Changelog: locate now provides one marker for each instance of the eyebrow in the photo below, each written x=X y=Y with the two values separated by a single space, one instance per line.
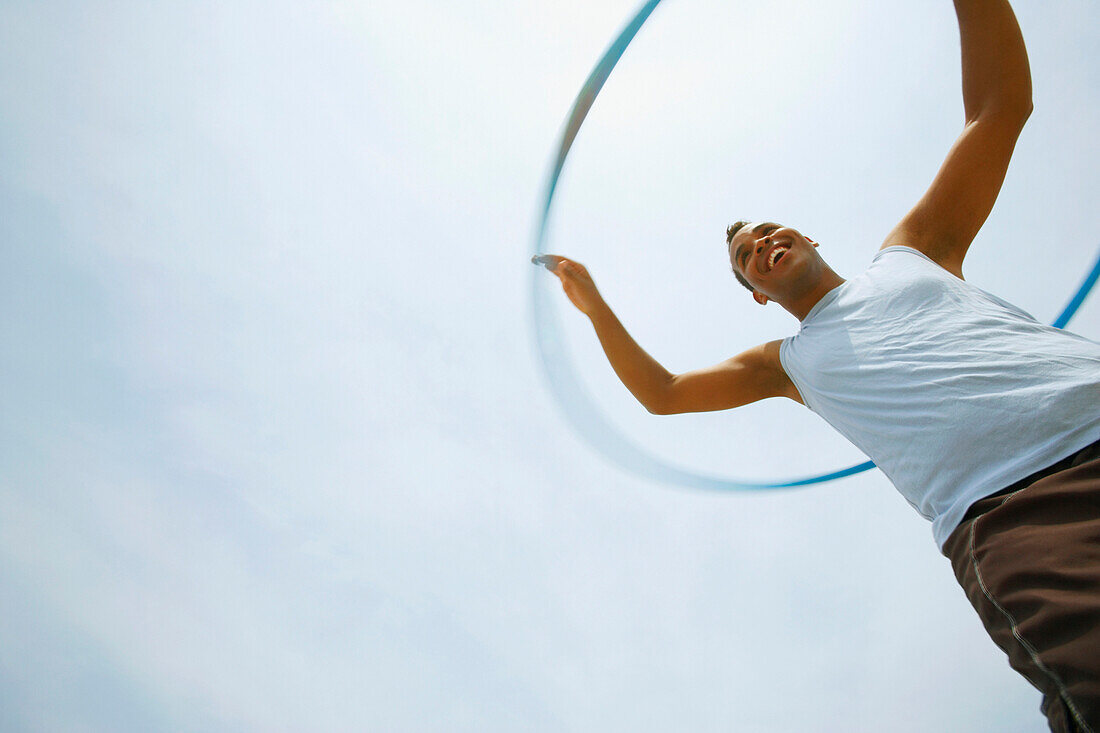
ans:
x=737 y=254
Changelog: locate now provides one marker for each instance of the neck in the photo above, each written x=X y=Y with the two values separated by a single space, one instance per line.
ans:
x=801 y=304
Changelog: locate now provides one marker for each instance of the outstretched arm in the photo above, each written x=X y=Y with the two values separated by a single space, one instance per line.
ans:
x=997 y=101
x=748 y=377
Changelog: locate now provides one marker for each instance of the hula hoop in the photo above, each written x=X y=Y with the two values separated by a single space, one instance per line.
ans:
x=571 y=394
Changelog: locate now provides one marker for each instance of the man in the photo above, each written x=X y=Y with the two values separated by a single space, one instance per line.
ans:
x=986 y=421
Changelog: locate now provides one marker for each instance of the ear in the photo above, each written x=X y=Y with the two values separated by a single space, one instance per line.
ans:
x=759 y=297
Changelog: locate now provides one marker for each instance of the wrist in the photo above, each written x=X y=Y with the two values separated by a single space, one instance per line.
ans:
x=599 y=311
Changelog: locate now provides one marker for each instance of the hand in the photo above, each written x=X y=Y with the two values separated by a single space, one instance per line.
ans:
x=575 y=281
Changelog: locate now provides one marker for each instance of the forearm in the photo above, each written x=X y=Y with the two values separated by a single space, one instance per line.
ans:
x=995 y=71
x=646 y=379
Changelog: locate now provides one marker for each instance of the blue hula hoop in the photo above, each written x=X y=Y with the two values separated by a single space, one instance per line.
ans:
x=571 y=395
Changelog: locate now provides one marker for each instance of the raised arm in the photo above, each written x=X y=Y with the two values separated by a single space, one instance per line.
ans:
x=753 y=375
x=997 y=101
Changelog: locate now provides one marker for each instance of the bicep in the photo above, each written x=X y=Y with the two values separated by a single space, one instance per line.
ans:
x=947 y=218
x=750 y=376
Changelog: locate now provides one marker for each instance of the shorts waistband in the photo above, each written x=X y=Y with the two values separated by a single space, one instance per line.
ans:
x=979 y=507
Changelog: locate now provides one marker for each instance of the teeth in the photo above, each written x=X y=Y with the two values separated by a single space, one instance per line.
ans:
x=775 y=253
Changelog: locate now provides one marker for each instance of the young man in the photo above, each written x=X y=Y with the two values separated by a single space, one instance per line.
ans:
x=985 y=420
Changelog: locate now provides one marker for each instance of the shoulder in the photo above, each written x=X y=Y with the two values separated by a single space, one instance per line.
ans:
x=901 y=248
x=902 y=251
x=765 y=364
x=899 y=257
x=771 y=363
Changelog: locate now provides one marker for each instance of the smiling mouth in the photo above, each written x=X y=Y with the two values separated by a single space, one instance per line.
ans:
x=776 y=255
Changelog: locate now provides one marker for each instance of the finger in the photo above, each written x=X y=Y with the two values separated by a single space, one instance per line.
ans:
x=550 y=262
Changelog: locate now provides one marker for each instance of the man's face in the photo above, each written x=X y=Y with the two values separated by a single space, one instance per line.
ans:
x=773 y=259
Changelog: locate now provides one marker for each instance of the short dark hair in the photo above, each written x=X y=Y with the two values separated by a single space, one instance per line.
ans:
x=730 y=232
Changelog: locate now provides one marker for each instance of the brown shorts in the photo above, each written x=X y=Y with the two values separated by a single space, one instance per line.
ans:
x=1028 y=558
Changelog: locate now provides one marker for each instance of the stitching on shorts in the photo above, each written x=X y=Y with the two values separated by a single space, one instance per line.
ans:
x=1016 y=632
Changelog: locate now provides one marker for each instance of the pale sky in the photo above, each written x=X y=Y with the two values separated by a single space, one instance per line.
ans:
x=277 y=452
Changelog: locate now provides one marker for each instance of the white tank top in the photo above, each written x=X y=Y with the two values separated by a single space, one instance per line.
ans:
x=952 y=392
